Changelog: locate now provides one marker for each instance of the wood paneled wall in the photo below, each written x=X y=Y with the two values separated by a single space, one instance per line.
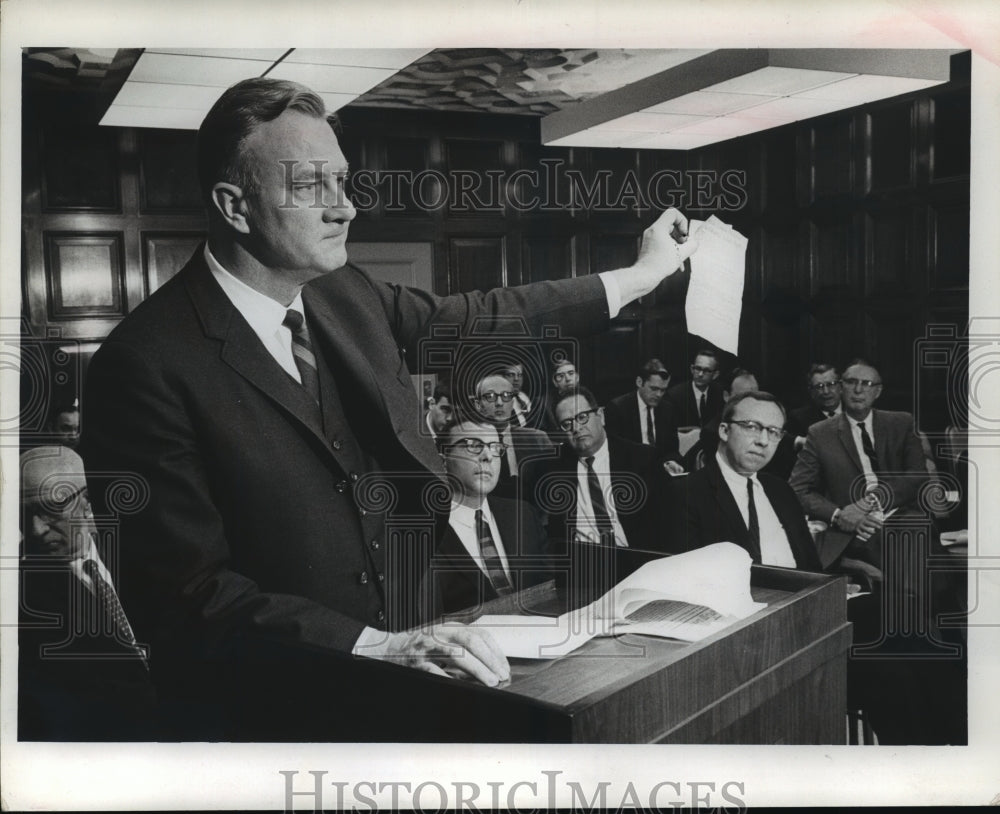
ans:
x=858 y=225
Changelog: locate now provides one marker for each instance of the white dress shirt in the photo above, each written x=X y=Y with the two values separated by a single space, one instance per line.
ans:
x=463 y=522
x=870 y=478
x=585 y=523
x=774 y=546
x=264 y=315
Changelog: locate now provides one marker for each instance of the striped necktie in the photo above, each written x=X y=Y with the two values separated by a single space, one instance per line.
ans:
x=491 y=557
x=114 y=613
x=602 y=520
x=305 y=360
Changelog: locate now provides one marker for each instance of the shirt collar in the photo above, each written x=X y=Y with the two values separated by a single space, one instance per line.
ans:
x=867 y=422
x=733 y=478
x=264 y=314
x=602 y=458
x=466 y=516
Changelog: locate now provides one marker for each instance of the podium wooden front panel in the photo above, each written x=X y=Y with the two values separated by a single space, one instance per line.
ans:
x=777 y=677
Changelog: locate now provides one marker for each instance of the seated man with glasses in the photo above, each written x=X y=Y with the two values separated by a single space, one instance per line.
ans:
x=492 y=546
x=823 y=385
x=858 y=466
x=494 y=399
x=731 y=500
x=698 y=400
x=602 y=490
x=81 y=674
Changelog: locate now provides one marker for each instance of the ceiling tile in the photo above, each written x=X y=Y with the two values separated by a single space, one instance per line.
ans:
x=708 y=103
x=867 y=88
x=648 y=122
x=264 y=54
x=156 y=94
x=394 y=58
x=773 y=81
x=331 y=78
x=136 y=116
x=173 y=69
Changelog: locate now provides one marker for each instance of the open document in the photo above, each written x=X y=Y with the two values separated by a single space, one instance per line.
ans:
x=715 y=294
x=688 y=596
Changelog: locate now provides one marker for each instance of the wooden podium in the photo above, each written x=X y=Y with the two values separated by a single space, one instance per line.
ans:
x=778 y=676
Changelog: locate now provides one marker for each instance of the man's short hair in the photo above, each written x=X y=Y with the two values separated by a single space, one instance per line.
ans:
x=59 y=409
x=237 y=113
x=578 y=390
x=737 y=373
x=654 y=367
x=818 y=369
x=861 y=360
x=756 y=395
x=460 y=416
x=442 y=390
x=706 y=352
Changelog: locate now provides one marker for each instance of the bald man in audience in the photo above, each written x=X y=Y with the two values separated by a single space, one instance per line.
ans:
x=82 y=675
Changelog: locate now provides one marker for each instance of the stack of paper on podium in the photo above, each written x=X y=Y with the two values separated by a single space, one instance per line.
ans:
x=715 y=293
x=688 y=596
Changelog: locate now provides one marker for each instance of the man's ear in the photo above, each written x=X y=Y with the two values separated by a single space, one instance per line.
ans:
x=723 y=431
x=638 y=381
x=229 y=201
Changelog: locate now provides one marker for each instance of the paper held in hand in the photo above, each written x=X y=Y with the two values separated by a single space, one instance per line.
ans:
x=715 y=293
x=688 y=596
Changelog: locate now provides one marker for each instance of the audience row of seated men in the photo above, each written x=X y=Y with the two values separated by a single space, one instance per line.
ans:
x=596 y=487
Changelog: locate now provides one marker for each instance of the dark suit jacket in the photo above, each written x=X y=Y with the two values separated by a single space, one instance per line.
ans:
x=459 y=582
x=76 y=681
x=621 y=417
x=802 y=418
x=531 y=449
x=642 y=490
x=828 y=473
x=709 y=514
x=686 y=408
x=256 y=530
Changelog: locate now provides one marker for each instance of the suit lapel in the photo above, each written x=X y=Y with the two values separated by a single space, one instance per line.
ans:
x=727 y=503
x=846 y=437
x=243 y=351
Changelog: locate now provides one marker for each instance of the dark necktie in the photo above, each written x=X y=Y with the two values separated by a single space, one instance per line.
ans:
x=305 y=360
x=114 y=613
x=702 y=407
x=601 y=517
x=753 y=525
x=831 y=414
x=868 y=446
x=491 y=557
x=650 y=427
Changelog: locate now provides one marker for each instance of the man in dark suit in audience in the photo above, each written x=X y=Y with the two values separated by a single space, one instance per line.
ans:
x=439 y=409
x=823 y=384
x=523 y=446
x=730 y=499
x=81 y=673
x=644 y=416
x=738 y=381
x=602 y=489
x=698 y=400
x=492 y=546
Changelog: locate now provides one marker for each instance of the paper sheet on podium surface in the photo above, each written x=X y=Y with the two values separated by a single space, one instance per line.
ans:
x=688 y=596
x=715 y=292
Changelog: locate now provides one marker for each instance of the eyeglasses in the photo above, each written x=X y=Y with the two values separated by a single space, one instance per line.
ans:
x=774 y=434
x=563 y=375
x=700 y=369
x=489 y=396
x=475 y=446
x=580 y=418
x=824 y=386
x=53 y=509
x=866 y=384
